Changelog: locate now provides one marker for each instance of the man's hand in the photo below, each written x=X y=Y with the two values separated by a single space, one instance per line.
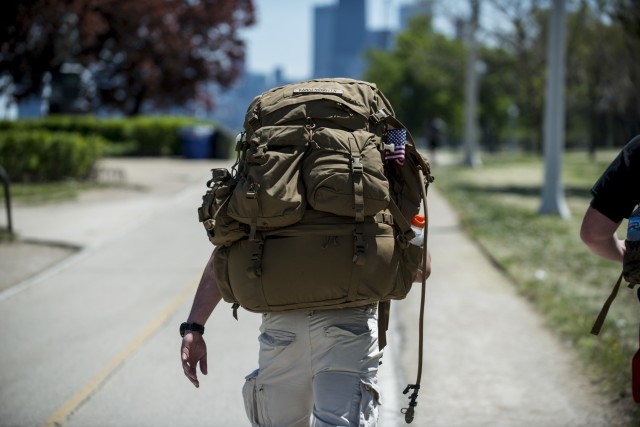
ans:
x=193 y=350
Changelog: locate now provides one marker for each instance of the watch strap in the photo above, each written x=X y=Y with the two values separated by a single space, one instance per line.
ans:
x=191 y=326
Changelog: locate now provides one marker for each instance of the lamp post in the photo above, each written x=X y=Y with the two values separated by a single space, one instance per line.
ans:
x=471 y=157
x=553 y=201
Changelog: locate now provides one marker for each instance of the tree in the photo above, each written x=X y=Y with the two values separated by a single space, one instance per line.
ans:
x=595 y=89
x=524 y=38
x=421 y=76
x=156 y=51
x=627 y=14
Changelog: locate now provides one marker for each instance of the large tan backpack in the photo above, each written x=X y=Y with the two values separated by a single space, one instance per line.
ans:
x=316 y=211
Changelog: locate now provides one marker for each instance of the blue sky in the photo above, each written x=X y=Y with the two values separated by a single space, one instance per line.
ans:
x=282 y=35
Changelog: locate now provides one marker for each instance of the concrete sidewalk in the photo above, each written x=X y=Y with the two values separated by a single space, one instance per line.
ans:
x=49 y=233
x=488 y=359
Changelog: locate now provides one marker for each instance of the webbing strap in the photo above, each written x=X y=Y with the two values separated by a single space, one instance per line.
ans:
x=255 y=266
x=384 y=311
x=255 y=269
x=597 y=325
x=595 y=330
x=410 y=410
x=359 y=249
x=359 y=244
x=357 y=173
x=406 y=233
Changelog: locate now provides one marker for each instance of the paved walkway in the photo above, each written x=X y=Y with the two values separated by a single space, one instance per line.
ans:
x=92 y=341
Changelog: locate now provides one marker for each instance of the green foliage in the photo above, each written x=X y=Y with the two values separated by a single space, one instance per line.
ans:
x=38 y=155
x=158 y=136
x=546 y=259
x=49 y=192
x=138 y=55
x=422 y=76
x=138 y=136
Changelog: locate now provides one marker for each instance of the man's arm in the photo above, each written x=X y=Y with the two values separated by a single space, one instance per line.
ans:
x=194 y=348
x=599 y=234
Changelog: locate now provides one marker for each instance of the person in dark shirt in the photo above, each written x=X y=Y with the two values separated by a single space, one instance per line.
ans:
x=615 y=195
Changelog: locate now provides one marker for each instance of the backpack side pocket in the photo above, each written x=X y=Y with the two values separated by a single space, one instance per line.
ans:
x=221 y=228
x=270 y=192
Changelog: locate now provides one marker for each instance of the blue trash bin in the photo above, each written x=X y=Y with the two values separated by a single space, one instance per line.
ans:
x=196 y=141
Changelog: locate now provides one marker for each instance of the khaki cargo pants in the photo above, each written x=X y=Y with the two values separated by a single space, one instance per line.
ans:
x=316 y=368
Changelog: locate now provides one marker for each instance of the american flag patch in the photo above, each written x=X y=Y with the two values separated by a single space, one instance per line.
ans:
x=397 y=137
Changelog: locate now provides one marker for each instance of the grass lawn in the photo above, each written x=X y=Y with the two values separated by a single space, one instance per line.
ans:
x=498 y=205
x=39 y=193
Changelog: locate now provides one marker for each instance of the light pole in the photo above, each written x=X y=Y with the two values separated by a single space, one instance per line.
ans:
x=471 y=156
x=513 y=112
x=553 y=201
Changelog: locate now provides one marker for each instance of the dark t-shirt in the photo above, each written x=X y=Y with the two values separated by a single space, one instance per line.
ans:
x=617 y=191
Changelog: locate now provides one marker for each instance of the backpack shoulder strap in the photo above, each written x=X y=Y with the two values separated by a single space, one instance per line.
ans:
x=597 y=325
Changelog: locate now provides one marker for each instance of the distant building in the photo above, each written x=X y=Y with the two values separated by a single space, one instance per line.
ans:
x=323 y=40
x=231 y=104
x=380 y=39
x=340 y=39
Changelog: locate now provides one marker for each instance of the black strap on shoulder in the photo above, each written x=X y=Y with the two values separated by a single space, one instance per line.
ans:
x=595 y=330
x=597 y=325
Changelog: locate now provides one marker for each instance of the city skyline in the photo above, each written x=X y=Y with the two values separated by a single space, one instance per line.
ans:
x=291 y=25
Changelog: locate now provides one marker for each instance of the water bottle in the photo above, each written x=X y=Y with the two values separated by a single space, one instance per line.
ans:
x=417 y=225
x=633 y=228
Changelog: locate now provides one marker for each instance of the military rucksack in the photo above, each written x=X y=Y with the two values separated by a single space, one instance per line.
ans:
x=316 y=211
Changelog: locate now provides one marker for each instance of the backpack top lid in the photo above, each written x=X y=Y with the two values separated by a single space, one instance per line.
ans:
x=296 y=103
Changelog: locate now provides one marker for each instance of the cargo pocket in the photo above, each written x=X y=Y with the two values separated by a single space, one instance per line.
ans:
x=366 y=405
x=338 y=163
x=252 y=400
x=270 y=190
x=272 y=343
x=347 y=331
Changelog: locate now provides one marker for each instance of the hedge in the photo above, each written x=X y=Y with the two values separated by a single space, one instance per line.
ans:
x=135 y=136
x=39 y=155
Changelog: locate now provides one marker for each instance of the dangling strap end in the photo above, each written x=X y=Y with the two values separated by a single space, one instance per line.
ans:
x=595 y=330
x=410 y=411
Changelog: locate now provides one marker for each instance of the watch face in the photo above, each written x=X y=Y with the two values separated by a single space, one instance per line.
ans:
x=183 y=327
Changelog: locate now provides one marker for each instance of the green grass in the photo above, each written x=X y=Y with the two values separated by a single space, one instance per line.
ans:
x=498 y=205
x=40 y=193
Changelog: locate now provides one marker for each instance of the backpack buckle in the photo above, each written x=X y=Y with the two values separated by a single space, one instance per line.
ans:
x=218 y=176
x=380 y=115
x=359 y=248
x=356 y=165
x=252 y=192
x=404 y=239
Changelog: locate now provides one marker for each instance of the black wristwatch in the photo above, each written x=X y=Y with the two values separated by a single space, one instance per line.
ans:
x=195 y=327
